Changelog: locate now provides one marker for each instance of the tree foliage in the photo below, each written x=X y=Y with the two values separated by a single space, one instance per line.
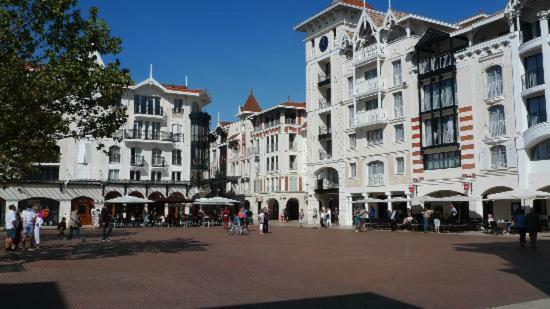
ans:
x=52 y=83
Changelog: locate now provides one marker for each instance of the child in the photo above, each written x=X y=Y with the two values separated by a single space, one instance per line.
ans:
x=61 y=227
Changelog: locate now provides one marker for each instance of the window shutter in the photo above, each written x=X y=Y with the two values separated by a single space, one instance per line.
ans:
x=511 y=155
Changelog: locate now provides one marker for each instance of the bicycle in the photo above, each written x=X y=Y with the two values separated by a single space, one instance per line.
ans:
x=238 y=229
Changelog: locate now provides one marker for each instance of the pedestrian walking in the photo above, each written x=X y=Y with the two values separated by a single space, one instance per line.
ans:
x=37 y=226
x=266 y=220
x=29 y=216
x=61 y=227
x=225 y=217
x=533 y=226
x=322 y=217
x=261 y=218
x=11 y=224
x=437 y=223
x=105 y=223
x=454 y=214
x=426 y=216
x=18 y=230
x=393 y=220
x=315 y=215
x=372 y=215
x=74 y=226
x=519 y=223
x=329 y=217
x=364 y=215
x=336 y=216
x=301 y=216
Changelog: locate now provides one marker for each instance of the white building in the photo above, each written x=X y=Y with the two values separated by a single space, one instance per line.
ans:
x=163 y=145
x=263 y=155
x=406 y=108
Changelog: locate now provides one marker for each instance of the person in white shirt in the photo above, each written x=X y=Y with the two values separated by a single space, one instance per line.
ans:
x=37 y=225
x=261 y=218
x=11 y=227
x=29 y=218
x=329 y=218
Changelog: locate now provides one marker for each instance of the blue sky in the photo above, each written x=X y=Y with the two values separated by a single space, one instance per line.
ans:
x=231 y=46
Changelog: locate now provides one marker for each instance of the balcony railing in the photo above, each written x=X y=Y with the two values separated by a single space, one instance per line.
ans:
x=363 y=55
x=324 y=103
x=154 y=111
x=369 y=86
x=437 y=63
x=290 y=120
x=376 y=180
x=323 y=155
x=498 y=165
x=136 y=160
x=158 y=161
x=533 y=78
x=131 y=134
x=177 y=137
x=494 y=89
x=365 y=118
x=497 y=128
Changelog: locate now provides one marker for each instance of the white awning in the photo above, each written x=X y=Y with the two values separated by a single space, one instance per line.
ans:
x=215 y=201
x=127 y=199
x=519 y=194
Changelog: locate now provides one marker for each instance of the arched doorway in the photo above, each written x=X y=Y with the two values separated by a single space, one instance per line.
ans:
x=156 y=209
x=293 y=209
x=273 y=206
x=43 y=203
x=84 y=207
x=112 y=207
x=500 y=210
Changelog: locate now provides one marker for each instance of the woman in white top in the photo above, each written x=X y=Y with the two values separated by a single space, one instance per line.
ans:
x=261 y=218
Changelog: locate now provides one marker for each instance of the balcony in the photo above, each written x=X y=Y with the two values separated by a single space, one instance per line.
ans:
x=376 y=180
x=323 y=79
x=325 y=132
x=498 y=165
x=371 y=118
x=437 y=63
x=151 y=136
x=532 y=79
x=367 y=55
x=536 y=134
x=531 y=45
x=369 y=87
x=158 y=161
x=156 y=112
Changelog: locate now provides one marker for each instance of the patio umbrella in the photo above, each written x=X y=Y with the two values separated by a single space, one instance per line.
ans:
x=216 y=201
x=369 y=200
x=127 y=199
x=519 y=194
x=454 y=198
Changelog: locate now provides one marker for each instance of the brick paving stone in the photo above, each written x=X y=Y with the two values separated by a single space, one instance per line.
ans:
x=291 y=267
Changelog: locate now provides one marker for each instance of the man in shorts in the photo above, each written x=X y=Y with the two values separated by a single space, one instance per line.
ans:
x=11 y=226
x=29 y=216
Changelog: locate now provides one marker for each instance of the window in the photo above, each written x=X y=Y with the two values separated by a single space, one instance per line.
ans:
x=494 y=82
x=136 y=158
x=157 y=158
x=353 y=170
x=176 y=176
x=397 y=77
x=375 y=137
x=177 y=133
x=438 y=95
x=371 y=105
x=376 y=173
x=292 y=141
x=399 y=133
x=351 y=116
x=442 y=160
x=147 y=105
x=293 y=165
x=84 y=152
x=293 y=183
x=439 y=131
x=541 y=151
x=398 y=105
x=176 y=157
x=352 y=141
x=536 y=110
x=178 y=106
x=156 y=176
x=113 y=174
x=350 y=88
x=399 y=165
x=371 y=74
x=497 y=126
x=114 y=154
x=498 y=157
x=534 y=72
x=135 y=175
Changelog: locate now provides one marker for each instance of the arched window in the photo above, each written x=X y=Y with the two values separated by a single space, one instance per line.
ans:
x=114 y=154
x=497 y=125
x=541 y=151
x=376 y=173
x=494 y=82
x=498 y=157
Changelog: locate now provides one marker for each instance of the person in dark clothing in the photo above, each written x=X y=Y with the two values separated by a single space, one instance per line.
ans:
x=266 y=220
x=105 y=222
x=519 y=224
x=532 y=225
x=61 y=227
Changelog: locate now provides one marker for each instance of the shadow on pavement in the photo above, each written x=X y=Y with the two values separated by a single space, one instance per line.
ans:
x=362 y=300
x=530 y=264
x=25 y=295
x=77 y=250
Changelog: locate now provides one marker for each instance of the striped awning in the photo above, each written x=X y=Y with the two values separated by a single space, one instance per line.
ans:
x=52 y=191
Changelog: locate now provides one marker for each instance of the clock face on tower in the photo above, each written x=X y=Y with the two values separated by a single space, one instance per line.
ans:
x=323 y=44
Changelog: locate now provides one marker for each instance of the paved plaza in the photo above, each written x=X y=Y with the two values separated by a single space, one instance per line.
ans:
x=289 y=268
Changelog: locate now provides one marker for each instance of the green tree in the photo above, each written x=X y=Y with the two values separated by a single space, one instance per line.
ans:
x=52 y=83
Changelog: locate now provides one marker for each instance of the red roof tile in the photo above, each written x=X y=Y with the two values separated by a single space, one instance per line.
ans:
x=295 y=104
x=251 y=104
x=180 y=88
x=358 y=3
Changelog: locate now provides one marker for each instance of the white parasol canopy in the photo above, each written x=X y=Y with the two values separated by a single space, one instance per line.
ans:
x=215 y=201
x=127 y=199
x=519 y=194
